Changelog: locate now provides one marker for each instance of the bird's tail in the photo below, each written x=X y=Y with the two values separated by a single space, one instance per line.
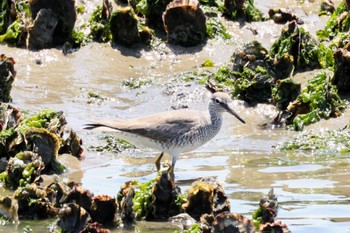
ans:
x=91 y=126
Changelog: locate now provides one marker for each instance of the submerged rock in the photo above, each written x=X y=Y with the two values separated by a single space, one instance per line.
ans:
x=184 y=23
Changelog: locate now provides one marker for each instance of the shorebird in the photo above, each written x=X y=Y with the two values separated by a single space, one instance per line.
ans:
x=172 y=132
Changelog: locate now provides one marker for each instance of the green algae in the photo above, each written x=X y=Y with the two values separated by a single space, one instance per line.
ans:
x=321 y=100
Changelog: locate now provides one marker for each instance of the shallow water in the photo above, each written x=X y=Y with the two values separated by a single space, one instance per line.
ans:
x=313 y=190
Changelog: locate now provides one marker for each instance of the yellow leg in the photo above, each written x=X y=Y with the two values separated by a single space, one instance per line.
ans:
x=158 y=161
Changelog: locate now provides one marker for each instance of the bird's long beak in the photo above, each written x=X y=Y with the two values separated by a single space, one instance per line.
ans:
x=230 y=110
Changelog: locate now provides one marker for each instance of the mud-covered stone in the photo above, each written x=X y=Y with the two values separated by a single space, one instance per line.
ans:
x=185 y=23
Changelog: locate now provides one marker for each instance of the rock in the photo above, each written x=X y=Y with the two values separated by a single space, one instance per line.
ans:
x=274 y=227
x=7 y=76
x=22 y=169
x=79 y=196
x=327 y=6
x=184 y=23
x=124 y=27
x=9 y=208
x=283 y=15
x=40 y=34
x=33 y=203
x=65 y=13
x=342 y=69
x=72 y=218
x=206 y=196
x=94 y=228
x=104 y=209
x=184 y=221
x=125 y=201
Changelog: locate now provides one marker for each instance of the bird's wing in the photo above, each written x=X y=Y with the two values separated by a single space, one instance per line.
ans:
x=162 y=127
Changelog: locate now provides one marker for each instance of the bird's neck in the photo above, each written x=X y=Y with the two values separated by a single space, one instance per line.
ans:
x=216 y=118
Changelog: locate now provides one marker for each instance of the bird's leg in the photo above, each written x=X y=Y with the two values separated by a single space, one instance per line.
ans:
x=171 y=168
x=158 y=161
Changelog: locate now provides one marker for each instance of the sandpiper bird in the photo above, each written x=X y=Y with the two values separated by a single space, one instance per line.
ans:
x=175 y=131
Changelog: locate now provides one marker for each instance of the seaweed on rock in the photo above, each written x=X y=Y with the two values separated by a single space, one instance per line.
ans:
x=318 y=100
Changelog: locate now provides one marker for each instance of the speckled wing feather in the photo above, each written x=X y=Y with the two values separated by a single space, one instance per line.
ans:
x=161 y=127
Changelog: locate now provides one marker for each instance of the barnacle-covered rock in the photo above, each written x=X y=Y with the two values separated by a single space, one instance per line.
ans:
x=125 y=30
x=318 y=100
x=306 y=51
x=284 y=92
x=338 y=22
x=125 y=201
x=341 y=77
x=94 y=228
x=22 y=169
x=33 y=203
x=55 y=193
x=63 y=10
x=157 y=199
x=327 y=7
x=72 y=218
x=9 y=116
x=274 y=227
x=71 y=144
x=42 y=30
x=267 y=210
x=79 y=196
x=104 y=209
x=184 y=221
x=226 y=222
x=206 y=196
x=7 y=76
x=229 y=222
x=46 y=145
x=242 y=9
x=283 y=15
x=184 y=23
x=9 y=208
x=151 y=10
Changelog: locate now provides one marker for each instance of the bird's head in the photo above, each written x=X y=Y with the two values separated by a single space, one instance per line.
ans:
x=221 y=102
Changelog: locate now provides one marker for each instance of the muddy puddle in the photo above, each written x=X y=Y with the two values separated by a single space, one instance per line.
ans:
x=313 y=189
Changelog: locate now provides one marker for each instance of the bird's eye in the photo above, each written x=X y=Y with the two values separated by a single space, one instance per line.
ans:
x=217 y=101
